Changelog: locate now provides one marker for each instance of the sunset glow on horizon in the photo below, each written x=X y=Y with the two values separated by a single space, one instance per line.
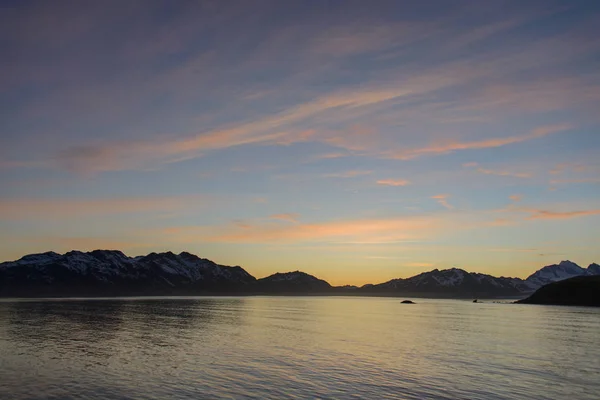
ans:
x=356 y=141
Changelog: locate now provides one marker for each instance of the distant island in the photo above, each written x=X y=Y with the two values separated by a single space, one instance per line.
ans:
x=111 y=273
x=577 y=291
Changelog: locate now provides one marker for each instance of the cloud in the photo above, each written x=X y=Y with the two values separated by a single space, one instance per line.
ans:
x=23 y=208
x=516 y=197
x=331 y=155
x=269 y=129
x=419 y=264
x=495 y=172
x=393 y=182
x=287 y=217
x=443 y=200
x=371 y=231
x=562 y=167
x=545 y=214
x=574 y=180
x=348 y=174
x=380 y=257
x=444 y=148
x=501 y=222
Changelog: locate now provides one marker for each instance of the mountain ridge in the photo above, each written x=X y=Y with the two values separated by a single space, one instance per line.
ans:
x=106 y=272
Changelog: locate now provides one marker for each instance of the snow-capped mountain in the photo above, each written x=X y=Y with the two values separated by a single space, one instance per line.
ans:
x=593 y=269
x=453 y=281
x=460 y=282
x=559 y=272
x=112 y=271
x=292 y=282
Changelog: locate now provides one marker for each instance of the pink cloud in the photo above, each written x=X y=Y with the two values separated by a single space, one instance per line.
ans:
x=478 y=144
x=443 y=200
x=574 y=180
x=348 y=174
x=393 y=182
x=545 y=214
x=497 y=172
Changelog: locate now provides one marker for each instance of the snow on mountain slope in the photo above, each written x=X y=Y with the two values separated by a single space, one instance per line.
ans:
x=593 y=269
x=555 y=272
x=453 y=280
x=113 y=268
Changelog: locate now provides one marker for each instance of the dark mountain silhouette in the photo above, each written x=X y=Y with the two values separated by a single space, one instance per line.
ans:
x=452 y=282
x=577 y=291
x=292 y=282
x=110 y=272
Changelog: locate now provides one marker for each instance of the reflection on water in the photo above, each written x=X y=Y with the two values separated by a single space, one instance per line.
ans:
x=295 y=347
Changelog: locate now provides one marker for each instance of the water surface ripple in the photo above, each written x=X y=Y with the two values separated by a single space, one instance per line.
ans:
x=296 y=348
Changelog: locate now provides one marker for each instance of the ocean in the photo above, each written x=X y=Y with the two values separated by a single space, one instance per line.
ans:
x=296 y=348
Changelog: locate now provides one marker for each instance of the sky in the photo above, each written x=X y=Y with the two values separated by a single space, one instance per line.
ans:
x=358 y=141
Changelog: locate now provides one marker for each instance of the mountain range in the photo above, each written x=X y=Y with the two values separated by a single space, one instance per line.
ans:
x=110 y=272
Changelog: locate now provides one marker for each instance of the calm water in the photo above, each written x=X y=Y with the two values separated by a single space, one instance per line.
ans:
x=300 y=348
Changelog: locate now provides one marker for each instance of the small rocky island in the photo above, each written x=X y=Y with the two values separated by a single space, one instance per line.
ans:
x=578 y=291
x=408 y=302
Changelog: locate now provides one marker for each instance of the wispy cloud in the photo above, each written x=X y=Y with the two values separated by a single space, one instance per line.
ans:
x=286 y=217
x=516 y=197
x=419 y=264
x=486 y=171
x=574 y=180
x=348 y=174
x=345 y=231
x=546 y=214
x=502 y=222
x=562 y=167
x=270 y=129
x=393 y=182
x=24 y=208
x=443 y=200
x=444 y=148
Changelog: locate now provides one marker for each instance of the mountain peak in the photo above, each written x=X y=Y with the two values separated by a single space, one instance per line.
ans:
x=568 y=263
x=555 y=272
x=593 y=269
x=111 y=271
x=293 y=281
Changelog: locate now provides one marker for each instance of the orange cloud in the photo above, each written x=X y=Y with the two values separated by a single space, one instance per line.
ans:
x=348 y=231
x=419 y=264
x=480 y=144
x=348 y=174
x=270 y=129
x=545 y=214
x=443 y=200
x=287 y=217
x=393 y=182
x=516 y=197
x=501 y=222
